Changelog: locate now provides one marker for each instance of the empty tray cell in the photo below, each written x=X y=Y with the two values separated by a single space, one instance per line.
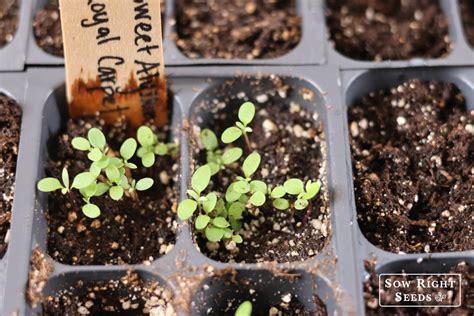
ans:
x=376 y=30
x=412 y=156
x=294 y=293
x=461 y=296
x=288 y=132
x=47 y=28
x=107 y=293
x=467 y=15
x=240 y=29
x=9 y=19
x=139 y=227
x=10 y=120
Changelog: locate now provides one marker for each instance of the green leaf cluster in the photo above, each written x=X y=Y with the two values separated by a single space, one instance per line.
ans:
x=219 y=215
x=109 y=172
x=150 y=146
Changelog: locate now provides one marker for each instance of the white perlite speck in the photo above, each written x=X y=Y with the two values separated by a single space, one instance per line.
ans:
x=401 y=120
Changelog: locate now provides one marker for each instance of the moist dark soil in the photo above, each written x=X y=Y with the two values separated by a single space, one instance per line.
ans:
x=47 y=29
x=376 y=30
x=467 y=14
x=129 y=295
x=10 y=120
x=237 y=29
x=224 y=294
x=413 y=158
x=291 y=142
x=127 y=232
x=8 y=21
x=371 y=295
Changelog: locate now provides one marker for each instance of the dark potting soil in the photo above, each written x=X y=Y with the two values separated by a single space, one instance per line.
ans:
x=126 y=232
x=291 y=142
x=376 y=30
x=413 y=158
x=47 y=29
x=237 y=29
x=129 y=295
x=371 y=295
x=10 y=120
x=8 y=21
x=467 y=14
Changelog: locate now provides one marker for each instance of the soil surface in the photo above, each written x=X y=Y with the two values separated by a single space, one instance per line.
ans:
x=292 y=143
x=413 y=164
x=47 y=29
x=129 y=295
x=376 y=30
x=126 y=232
x=237 y=29
x=10 y=120
x=8 y=20
x=224 y=294
x=467 y=13
x=371 y=295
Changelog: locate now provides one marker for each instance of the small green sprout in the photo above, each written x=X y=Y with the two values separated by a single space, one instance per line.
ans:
x=241 y=128
x=244 y=309
x=109 y=171
x=295 y=187
x=217 y=159
x=218 y=216
x=150 y=146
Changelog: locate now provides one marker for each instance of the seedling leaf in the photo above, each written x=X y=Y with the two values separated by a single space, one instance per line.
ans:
x=201 y=178
x=301 y=204
x=278 y=192
x=144 y=184
x=128 y=148
x=244 y=309
x=293 y=186
x=231 y=135
x=220 y=222
x=258 y=186
x=202 y=221
x=258 y=199
x=83 y=180
x=148 y=159
x=232 y=155
x=247 y=112
x=214 y=234
x=241 y=187
x=281 y=204
x=186 y=209
x=95 y=154
x=145 y=136
x=49 y=185
x=236 y=209
x=312 y=189
x=65 y=178
x=209 y=139
x=80 y=143
x=96 y=138
x=251 y=164
x=210 y=203
x=91 y=210
x=116 y=193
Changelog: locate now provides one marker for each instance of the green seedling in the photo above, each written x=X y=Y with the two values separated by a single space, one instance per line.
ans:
x=218 y=216
x=109 y=172
x=295 y=187
x=150 y=146
x=212 y=214
x=241 y=128
x=244 y=309
x=216 y=158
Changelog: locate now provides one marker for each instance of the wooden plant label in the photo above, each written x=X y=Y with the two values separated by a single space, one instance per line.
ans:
x=114 y=60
